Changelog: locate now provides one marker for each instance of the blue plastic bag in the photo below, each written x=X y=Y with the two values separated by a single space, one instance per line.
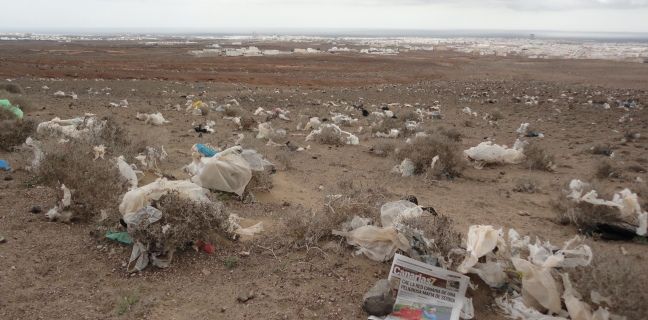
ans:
x=4 y=165
x=205 y=150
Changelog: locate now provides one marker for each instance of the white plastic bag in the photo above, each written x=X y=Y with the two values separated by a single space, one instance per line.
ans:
x=223 y=172
x=378 y=244
x=481 y=240
x=395 y=212
x=538 y=286
x=138 y=198
x=488 y=152
x=127 y=172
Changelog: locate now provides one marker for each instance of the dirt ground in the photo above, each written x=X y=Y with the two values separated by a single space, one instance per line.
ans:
x=65 y=271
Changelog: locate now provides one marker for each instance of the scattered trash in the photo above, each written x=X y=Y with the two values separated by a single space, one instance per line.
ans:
x=122 y=237
x=379 y=300
x=345 y=137
x=393 y=213
x=227 y=171
x=155 y=119
x=488 y=153
x=99 y=152
x=15 y=110
x=75 y=128
x=204 y=150
x=60 y=212
x=378 y=244
x=4 y=165
x=406 y=168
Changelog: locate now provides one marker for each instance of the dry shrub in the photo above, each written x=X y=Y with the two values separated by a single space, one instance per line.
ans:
x=621 y=277
x=606 y=169
x=387 y=124
x=582 y=214
x=118 y=141
x=423 y=149
x=284 y=159
x=329 y=136
x=602 y=150
x=11 y=87
x=468 y=124
x=439 y=229
x=495 y=115
x=452 y=134
x=248 y=122
x=96 y=185
x=232 y=111
x=538 y=158
x=631 y=136
x=526 y=185
x=383 y=148
x=308 y=228
x=261 y=181
x=409 y=115
x=187 y=221
x=14 y=132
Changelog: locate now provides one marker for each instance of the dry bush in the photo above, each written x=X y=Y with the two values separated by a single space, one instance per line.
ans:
x=187 y=221
x=582 y=214
x=261 y=181
x=329 y=136
x=284 y=159
x=308 y=228
x=14 y=132
x=11 y=87
x=468 y=124
x=496 y=115
x=602 y=150
x=96 y=185
x=538 y=158
x=452 y=134
x=409 y=115
x=118 y=141
x=387 y=124
x=383 y=148
x=439 y=229
x=423 y=149
x=621 y=277
x=232 y=111
x=526 y=185
x=606 y=169
x=631 y=136
x=248 y=122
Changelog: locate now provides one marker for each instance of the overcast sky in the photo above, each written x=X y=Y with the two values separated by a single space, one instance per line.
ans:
x=268 y=15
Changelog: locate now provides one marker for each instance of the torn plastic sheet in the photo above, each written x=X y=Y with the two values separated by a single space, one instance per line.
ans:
x=127 y=172
x=481 y=240
x=256 y=161
x=39 y=155
x=142 y=218
x=60 y=212
x=569 y=256
x=76 y=128
x=487 y=152
x=393 y=213
x=376 y=243
x=155 y=119
x=491 y=272
x=227 y=171
x=347 y=137
x=138 y=198
x=516 y=309
x=538 y=285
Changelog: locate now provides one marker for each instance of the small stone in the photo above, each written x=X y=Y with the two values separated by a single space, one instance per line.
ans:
x=223 y=309
x=206 y=272
x=2 y=239
x=244 y=297
x=379 y=300
x=36 y=209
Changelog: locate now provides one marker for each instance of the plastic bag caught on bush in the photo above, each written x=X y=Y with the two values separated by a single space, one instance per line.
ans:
x=491 y=272
x=488 y=152
x=227 y=171
x=256 y=161
x=127 y=172
x=516 y=309
x=538 y=286
x=136 y=199
x=395 y=212
x=481 y=240
x=378 y=244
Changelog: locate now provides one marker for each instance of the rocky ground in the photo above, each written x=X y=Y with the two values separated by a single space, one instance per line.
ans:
x=56 y=270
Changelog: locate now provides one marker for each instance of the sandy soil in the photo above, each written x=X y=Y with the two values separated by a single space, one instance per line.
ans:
x=54 y=270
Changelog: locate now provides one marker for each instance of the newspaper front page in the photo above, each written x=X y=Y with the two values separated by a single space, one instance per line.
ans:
x=425 y=292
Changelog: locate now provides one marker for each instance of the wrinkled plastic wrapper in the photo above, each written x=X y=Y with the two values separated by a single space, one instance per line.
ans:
x=39 y=155
x=376 y=243
x=392 y=213
x=481 y=241
x=142 y=218
x=406 y=168
x=569 y=256
x=227 y=171
x=488 y=153
x=127 y=172
x=516 y=309
x=61 y=212
x=256 y=161
x=155 y=119
x=538 y=286
x=491 y=272
x=75 y=128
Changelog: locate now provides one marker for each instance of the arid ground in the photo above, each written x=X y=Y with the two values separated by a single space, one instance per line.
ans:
x=51 y=270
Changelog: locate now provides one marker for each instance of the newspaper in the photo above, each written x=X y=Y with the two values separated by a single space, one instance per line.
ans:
x=425 y=292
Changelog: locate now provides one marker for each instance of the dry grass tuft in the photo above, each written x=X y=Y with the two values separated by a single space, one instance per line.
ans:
x=387 y=124
x=96 y=185
x=606 y=169
x=14 y=132
x=261 y=181
x=439 y=229
x=620 y=277
x=537 y=158
x=188 y=221
x=409 y=115
x=452 y=134
x=330 y=137
x=582 y=214
x=248 y=122
x=11 y=87
x=232 y=111
x=602 y=149
x=526 y=185
x=383 y=148
x=423 y=149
